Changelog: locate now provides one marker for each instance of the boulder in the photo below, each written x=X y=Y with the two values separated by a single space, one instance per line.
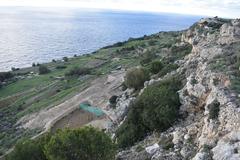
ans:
x=152 y=149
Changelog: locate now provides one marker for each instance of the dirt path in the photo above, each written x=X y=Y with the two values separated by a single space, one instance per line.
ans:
x=97 y=94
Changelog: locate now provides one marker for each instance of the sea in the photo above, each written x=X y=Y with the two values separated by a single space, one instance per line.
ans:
x=31 y=34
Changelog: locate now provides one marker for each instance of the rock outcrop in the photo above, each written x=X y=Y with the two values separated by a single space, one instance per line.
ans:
x=210 y=128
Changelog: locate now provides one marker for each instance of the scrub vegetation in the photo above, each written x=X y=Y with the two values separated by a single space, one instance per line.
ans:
x=86 y=143
x=29 y=90
x=155 y=109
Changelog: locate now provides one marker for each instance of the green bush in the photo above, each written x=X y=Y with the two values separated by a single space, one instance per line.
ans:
x=15 y=69
x=126 y=49
x=152 y=42
x=214 y=109
x=166 y=142
x=155 y=109
x=65 y=59
x=80 y=144
x=184 y=49
x=136 y=77
x=43 y=69
x=28 y=150
x=61 y=67
x=113 y=99
x=167 y=69
x=156 y=67
x=5 y=76
x=147 y=58
x=124 y=86
x=77 y=71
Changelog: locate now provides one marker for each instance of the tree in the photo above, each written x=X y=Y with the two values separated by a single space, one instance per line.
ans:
x=80 y=144
x=136 y=77
x=43 y=69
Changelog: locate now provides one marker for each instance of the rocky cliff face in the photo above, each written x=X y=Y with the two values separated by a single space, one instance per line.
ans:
x=210 y=123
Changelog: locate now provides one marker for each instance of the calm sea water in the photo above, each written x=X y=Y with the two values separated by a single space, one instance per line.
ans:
x=30 y=35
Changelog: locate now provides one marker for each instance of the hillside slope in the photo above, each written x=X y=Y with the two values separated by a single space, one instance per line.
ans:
x=209 y=125
x=201 y=64
x=31 y=102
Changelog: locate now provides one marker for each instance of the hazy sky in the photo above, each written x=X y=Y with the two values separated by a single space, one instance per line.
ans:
x=224 y=8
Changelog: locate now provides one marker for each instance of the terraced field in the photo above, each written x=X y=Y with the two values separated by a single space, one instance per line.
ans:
x=29 y=93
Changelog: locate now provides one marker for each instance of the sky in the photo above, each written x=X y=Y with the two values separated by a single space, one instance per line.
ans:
x=222 y=8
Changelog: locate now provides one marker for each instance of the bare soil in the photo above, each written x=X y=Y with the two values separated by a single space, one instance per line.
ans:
x=76 y=119
x=97 y=94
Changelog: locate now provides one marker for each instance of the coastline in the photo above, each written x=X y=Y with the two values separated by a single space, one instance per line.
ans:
x=32 y=92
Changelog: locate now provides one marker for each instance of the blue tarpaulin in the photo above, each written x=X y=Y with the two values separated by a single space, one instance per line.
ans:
x=95 y=110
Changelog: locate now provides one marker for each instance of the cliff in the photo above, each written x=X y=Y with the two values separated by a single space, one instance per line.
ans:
x=209 y=127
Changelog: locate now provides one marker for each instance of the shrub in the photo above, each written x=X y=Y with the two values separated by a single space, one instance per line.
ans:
x=124 y=86
x=77 y=71
x=156 y=67
x=15 y=69
x=214 y=25
x=214 y=109
x=28 y=150
x=61 y=67
x=147 y=58
x=113 y=99
x=118 y=44
x=206 y=148
x=152 y=42
x=126 y=49
x=166 y=142
x=167 y=69
x=136 y=77
x=84 y=143
x=179 y=52
x=65 y=59
x=155 y=109
x=139 y=148
x=194 y=81
x=43 y=69
x=5 y=76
